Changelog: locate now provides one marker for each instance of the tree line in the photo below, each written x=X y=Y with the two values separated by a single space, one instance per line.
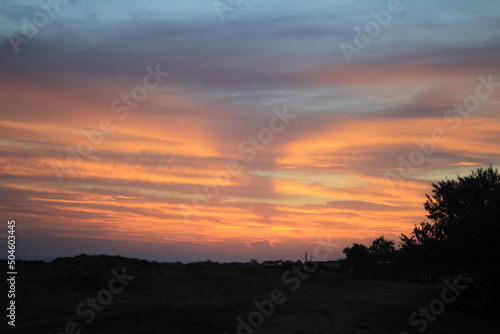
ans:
x=461 y=234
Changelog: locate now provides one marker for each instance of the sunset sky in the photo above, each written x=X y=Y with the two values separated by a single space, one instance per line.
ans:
x=190 y=130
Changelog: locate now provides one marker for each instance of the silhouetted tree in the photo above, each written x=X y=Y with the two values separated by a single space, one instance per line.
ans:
x=359 y=258
x=464 y=225
x=382 y=249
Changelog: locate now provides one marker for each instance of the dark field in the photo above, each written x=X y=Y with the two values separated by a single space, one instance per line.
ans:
x=209 y=298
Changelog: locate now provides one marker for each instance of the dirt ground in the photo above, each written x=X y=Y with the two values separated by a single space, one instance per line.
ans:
x=224 y=298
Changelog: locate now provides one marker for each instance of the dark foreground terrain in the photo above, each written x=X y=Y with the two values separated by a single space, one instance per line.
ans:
x=103 y=294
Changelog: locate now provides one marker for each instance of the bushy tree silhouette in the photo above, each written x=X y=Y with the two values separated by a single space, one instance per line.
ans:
x=464 y=226
x=382 y=249
x=365 y=261
x=359 y=259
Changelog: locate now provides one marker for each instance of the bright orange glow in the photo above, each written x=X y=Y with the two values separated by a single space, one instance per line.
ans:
x=201 y=168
